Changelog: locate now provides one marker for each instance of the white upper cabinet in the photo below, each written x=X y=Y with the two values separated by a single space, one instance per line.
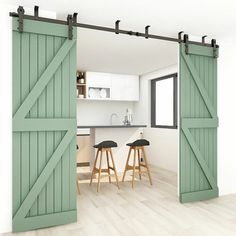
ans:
x=109 y=86
x=125 y=87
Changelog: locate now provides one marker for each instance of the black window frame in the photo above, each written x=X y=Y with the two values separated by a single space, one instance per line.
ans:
x=175 y=102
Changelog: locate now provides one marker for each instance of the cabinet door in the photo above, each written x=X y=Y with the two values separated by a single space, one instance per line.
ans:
x=98 y=80
x=83 y=153
x=117 y=87
x=131 y=90
x=125 y=87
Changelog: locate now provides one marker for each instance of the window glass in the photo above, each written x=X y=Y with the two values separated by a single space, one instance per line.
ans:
x=164 y=102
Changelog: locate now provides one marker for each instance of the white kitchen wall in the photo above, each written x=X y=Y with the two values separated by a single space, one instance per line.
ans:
x=165 y=151
x=99 y=112
x=227 y=117
x=6 y=113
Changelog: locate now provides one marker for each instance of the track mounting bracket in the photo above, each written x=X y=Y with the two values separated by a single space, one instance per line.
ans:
x=70 y=27
x=20 y=12
x=186 y=41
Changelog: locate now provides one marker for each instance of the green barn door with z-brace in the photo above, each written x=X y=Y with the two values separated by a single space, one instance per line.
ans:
x=44 y=125
x=198 y=122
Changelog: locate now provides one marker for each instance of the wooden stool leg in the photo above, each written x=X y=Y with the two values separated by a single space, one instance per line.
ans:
x=147 y=166
x=113 y=163
x=99 y=173
x=139 y=161
x=108 y=167
x=94 y=167
x=126 y=165
x=134 y=167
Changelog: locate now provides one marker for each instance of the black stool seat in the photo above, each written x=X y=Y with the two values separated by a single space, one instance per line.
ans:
x=106 y=144
x=139 y=142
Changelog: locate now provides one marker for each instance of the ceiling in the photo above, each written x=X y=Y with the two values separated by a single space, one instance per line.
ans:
x=102 y=51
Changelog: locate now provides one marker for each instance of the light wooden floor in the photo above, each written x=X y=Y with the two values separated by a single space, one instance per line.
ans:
x=146 y=211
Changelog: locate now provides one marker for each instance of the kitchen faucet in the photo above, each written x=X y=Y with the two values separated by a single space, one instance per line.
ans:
x=113 y=114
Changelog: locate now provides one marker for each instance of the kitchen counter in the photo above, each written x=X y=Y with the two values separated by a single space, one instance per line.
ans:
x=121 y=134
x=109 y=126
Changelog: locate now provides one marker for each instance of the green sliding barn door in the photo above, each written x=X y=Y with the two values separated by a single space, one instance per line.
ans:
x=44 y=125
x=198 y=123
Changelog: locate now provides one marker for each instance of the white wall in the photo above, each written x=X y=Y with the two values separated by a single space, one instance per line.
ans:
x=6 y=114
x=227 y=117
x=99 y=112
x=165 y=151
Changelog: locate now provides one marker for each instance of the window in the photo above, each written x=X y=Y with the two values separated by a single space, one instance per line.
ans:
x=164 y=102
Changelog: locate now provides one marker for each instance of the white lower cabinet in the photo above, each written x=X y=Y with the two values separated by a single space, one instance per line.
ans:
x=119 y=87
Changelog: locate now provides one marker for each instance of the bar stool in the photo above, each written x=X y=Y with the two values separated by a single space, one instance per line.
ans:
x=104 y=146
x=137 y=146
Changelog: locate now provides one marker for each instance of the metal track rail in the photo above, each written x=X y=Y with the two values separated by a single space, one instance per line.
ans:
x=116 y=30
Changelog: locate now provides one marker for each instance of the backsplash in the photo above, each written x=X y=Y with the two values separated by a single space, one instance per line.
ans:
x=99 y=112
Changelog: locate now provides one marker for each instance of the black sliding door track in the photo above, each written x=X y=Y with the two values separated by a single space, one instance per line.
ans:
x=72 y=21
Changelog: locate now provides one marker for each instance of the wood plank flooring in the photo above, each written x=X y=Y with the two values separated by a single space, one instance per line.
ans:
x=146 y=210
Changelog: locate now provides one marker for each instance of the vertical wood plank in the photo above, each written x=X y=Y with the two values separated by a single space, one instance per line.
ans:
x=25 y=84
x=183 y=145
x=192 y=108
x=215 y=105
x=41 y=114
x=33 y=114
x=211 y=158
x=187 y=111
x=201 y=110
x=196 y=99
x=207 y=140
x=65 y=114
x=58 y=134
x=72 y=92
x=49 y=114
x=16 y=142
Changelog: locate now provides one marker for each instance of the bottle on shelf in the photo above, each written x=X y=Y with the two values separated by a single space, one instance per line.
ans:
x=81 y=79
x=78 y=77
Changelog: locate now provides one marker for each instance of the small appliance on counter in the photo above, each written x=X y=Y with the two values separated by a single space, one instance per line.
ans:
x=128 y=117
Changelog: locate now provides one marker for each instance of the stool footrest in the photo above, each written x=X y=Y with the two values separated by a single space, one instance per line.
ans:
x=142 y=164
x=96 y=170
x=131 y=167
x=136 y=167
